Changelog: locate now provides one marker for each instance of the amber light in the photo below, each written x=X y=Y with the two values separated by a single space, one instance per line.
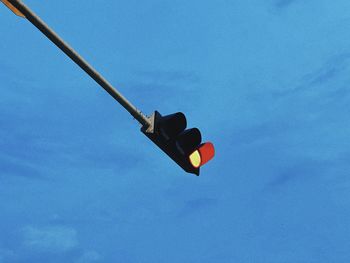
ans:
x=13 y=9
x=202 y=155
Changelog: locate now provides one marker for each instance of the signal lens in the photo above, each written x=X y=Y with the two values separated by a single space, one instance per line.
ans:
x=202 y=155
x=195 y=159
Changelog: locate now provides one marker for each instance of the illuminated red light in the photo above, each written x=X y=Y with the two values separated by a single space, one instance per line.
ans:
x=202 y=155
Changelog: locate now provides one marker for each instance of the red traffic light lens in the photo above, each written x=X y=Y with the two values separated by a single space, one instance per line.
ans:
x=202 y=155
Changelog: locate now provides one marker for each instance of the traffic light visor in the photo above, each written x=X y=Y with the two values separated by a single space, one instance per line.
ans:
x=172 y=125
x=202 y=155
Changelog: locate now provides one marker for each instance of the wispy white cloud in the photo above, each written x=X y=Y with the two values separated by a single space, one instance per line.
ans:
x=55 y=239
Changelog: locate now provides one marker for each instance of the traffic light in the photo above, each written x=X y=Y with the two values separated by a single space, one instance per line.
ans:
x=183 y=146
x=168 y=132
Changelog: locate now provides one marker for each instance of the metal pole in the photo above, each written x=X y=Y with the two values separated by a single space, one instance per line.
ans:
x=70 y=52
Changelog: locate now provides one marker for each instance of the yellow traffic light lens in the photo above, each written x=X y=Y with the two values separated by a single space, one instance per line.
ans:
x=195 y=159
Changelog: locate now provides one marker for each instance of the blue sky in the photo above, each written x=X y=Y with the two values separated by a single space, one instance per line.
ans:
x=266 y=81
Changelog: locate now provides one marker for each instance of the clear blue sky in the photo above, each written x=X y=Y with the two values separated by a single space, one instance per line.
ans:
x=266 y=81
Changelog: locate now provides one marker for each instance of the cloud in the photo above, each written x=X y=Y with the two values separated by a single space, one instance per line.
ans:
x=54 y=239
x=55 y=243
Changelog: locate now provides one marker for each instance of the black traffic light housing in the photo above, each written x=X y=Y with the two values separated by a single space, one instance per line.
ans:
x=169 y=134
